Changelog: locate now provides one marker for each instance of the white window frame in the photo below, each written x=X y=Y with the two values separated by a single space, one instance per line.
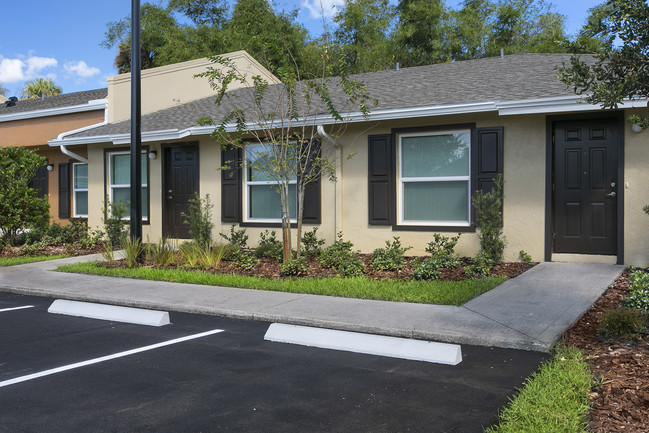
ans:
x=401 y=181
x=75 y=214
x=246 y=191
x=112 y=187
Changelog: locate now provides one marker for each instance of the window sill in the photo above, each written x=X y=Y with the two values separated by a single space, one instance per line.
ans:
x=413 y=228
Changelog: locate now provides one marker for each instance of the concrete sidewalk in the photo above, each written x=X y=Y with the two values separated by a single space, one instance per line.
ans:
x=529 y=312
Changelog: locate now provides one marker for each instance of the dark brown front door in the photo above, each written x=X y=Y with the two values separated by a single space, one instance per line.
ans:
x=180 y=183
x=586 y=186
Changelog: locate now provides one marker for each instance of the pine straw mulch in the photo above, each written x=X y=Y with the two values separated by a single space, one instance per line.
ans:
x=269 y=268
x=620 y=396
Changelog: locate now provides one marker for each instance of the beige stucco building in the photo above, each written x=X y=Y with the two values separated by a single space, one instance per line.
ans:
x=575 y=178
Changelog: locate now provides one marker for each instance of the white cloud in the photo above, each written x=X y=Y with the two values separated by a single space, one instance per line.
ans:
x=81 y=69
x=320 y=8
x=36 y=64
x=11 y=70
x=24 y=68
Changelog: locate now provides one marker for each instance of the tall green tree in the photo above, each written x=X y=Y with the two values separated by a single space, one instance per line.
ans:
x=422 y=31
x=40 y=87
x=3 y=90
x=619 y=72
x=362 y=35
x=527 y=26
x=20 y=206
x=471 y=27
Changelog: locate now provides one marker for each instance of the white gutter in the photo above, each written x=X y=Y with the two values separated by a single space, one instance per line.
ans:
x=561 y=104
x=95 y=104
x=64 y=150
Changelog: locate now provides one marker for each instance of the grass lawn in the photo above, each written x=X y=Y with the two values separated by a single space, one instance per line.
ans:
x=10 y=261
x=554 y=399
x=426 y=292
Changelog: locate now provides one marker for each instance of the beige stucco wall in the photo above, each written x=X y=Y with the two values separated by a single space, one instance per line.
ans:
x=524 y=168
x=636 y=194
x=170 y=85
x=345 y=202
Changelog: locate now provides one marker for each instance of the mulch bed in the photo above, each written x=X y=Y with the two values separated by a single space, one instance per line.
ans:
x=51 y=250
x=269 y=268
x=620 y=397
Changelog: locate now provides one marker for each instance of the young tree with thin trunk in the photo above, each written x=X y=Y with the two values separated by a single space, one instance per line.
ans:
x=276 y=126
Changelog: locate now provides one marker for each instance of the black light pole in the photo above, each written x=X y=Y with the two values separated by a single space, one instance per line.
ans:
x=136 y=126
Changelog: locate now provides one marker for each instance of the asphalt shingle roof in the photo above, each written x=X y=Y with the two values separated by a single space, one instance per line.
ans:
x=510 y=78
x=58 y=101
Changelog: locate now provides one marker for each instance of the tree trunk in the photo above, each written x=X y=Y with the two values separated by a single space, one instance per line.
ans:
x=286 y=222
x=300 y=212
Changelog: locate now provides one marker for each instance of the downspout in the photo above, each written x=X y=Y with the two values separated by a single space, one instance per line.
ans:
x=65 y=151
x=339 y=177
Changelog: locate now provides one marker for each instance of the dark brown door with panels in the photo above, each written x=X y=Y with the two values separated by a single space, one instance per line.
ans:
x=180 y=183
x=586 y=186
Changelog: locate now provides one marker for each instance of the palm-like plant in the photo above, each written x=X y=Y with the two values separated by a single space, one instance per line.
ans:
x=40 y=87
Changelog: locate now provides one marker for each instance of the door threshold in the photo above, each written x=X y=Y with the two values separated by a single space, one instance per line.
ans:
x=584 y=258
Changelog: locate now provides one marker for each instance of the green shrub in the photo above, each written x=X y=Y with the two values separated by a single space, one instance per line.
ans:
x=525 y=257
x=480 y=266
x=389 y=258
x=311 y=243
x=489 y=219
x=639 y=285
x=442 y=249
x=163 y=253
x=113 y=219
x=190 y=254
x=209 y=256
x=237 y=238
x=269 y=246
x=21 y=207
x=294 y=267
x=199 y=219
x=246 y=261
x=133 y=249
x=427 y=269
x=340 y=257
x=625 y=323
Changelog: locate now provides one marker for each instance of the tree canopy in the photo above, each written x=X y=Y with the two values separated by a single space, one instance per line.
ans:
x=40 y=87
x=620 y=72
x=368 y=35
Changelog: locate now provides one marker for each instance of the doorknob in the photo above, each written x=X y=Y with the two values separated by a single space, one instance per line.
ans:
x=611 y=194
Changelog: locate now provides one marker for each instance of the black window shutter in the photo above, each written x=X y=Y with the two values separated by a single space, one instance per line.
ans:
x=312 y=195
x=231 y=185
x=490 y=156
x=380 y=179
x=64 y=190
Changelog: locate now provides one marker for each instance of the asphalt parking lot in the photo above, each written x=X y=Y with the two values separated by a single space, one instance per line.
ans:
x=229 y=381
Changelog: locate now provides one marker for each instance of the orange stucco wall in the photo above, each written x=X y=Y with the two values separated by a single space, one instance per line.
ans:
x=38 y=131
x=35 y=133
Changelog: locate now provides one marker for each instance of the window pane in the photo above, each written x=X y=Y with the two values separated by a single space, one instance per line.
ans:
x=260 y=163
x=124 y=195
x=264 y=202
x=120 y=169
x=81 y=202
x=80 y=176
x=435 y=155
x=436 y=201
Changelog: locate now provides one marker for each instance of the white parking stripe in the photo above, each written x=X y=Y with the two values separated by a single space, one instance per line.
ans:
x=106 y=358
x=16 y=308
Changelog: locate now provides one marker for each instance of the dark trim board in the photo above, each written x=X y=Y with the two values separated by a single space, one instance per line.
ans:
x=145 y=150
x=549 y=177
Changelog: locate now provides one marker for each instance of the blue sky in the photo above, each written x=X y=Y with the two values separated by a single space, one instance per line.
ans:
x=61 y=39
